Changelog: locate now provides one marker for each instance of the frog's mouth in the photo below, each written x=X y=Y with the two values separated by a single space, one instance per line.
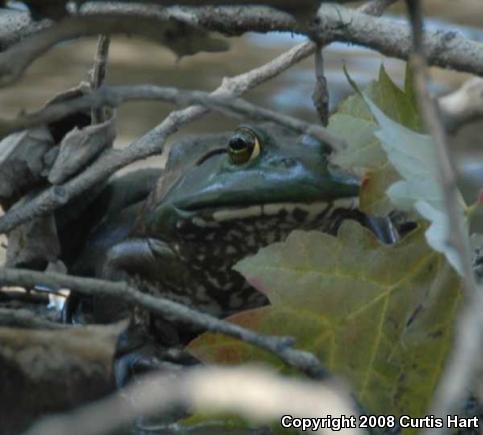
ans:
x=305 y=211
x=299 y=211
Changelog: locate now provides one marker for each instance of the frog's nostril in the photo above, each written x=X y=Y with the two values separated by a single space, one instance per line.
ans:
x=288 y=162
x=283 y=162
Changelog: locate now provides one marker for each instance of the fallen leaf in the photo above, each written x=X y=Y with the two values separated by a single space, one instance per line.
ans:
x=33 y=244
x=21 y=163
x=80 y=147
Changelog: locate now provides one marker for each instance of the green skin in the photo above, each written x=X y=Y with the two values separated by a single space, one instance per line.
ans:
x=203 y=216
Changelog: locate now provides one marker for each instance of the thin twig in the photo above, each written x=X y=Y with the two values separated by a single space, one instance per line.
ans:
x=99 y=73
x=320 y=96
x=464 y=362
x=280 y=346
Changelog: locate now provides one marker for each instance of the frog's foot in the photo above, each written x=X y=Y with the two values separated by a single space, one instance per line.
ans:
x=382 y=227
x=138 y=353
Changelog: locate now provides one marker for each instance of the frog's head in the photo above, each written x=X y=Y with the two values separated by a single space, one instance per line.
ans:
x=255 y=176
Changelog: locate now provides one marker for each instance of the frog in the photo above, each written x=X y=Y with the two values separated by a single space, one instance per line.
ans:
x=218 y=200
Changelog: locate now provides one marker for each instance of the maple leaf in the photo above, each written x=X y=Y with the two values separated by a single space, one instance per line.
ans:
x=380 y=316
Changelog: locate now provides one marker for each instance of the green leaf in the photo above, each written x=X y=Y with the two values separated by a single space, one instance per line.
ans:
x=381 y=316
x=355 y=123
x=414 y=157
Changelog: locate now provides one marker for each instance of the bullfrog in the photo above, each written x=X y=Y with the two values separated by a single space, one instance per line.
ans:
x=218 y=200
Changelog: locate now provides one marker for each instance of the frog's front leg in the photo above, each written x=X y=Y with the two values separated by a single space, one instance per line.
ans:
x=136 y=260
x=152 y=266
x=148 y=264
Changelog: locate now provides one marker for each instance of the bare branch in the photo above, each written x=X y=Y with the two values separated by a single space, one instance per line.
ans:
x=464 y=362
x=260 y=396
x=18 y=57
x=116 y=95
x=15 y=26
x=392 y=38
x=447 y=49
x=280 y=346
x=320 y=96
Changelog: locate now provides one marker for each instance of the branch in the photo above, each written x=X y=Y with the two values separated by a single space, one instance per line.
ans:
x=464 y=105
x=464 y=362
x=320 y=96
x=301 y=8
x=335 y=23
x=279 y=346
x=98 y=74
x=18 y=57
x=116 y=95
x=23 y=318
x=15 y=26
x=149 y=144
x=228 y=20
x=392 y=38
x=260 y=396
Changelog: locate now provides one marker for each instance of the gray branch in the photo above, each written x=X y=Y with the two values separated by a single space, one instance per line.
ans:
x=116 y=95
x=98 y=74
x=446 y=49
x=19 y=56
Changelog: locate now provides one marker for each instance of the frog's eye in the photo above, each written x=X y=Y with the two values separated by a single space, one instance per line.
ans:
x=243 y=146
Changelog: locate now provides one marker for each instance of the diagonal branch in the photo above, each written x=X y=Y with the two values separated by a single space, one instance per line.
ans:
x=116 y=95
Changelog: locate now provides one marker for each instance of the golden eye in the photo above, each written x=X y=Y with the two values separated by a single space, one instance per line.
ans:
x=243 y=146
